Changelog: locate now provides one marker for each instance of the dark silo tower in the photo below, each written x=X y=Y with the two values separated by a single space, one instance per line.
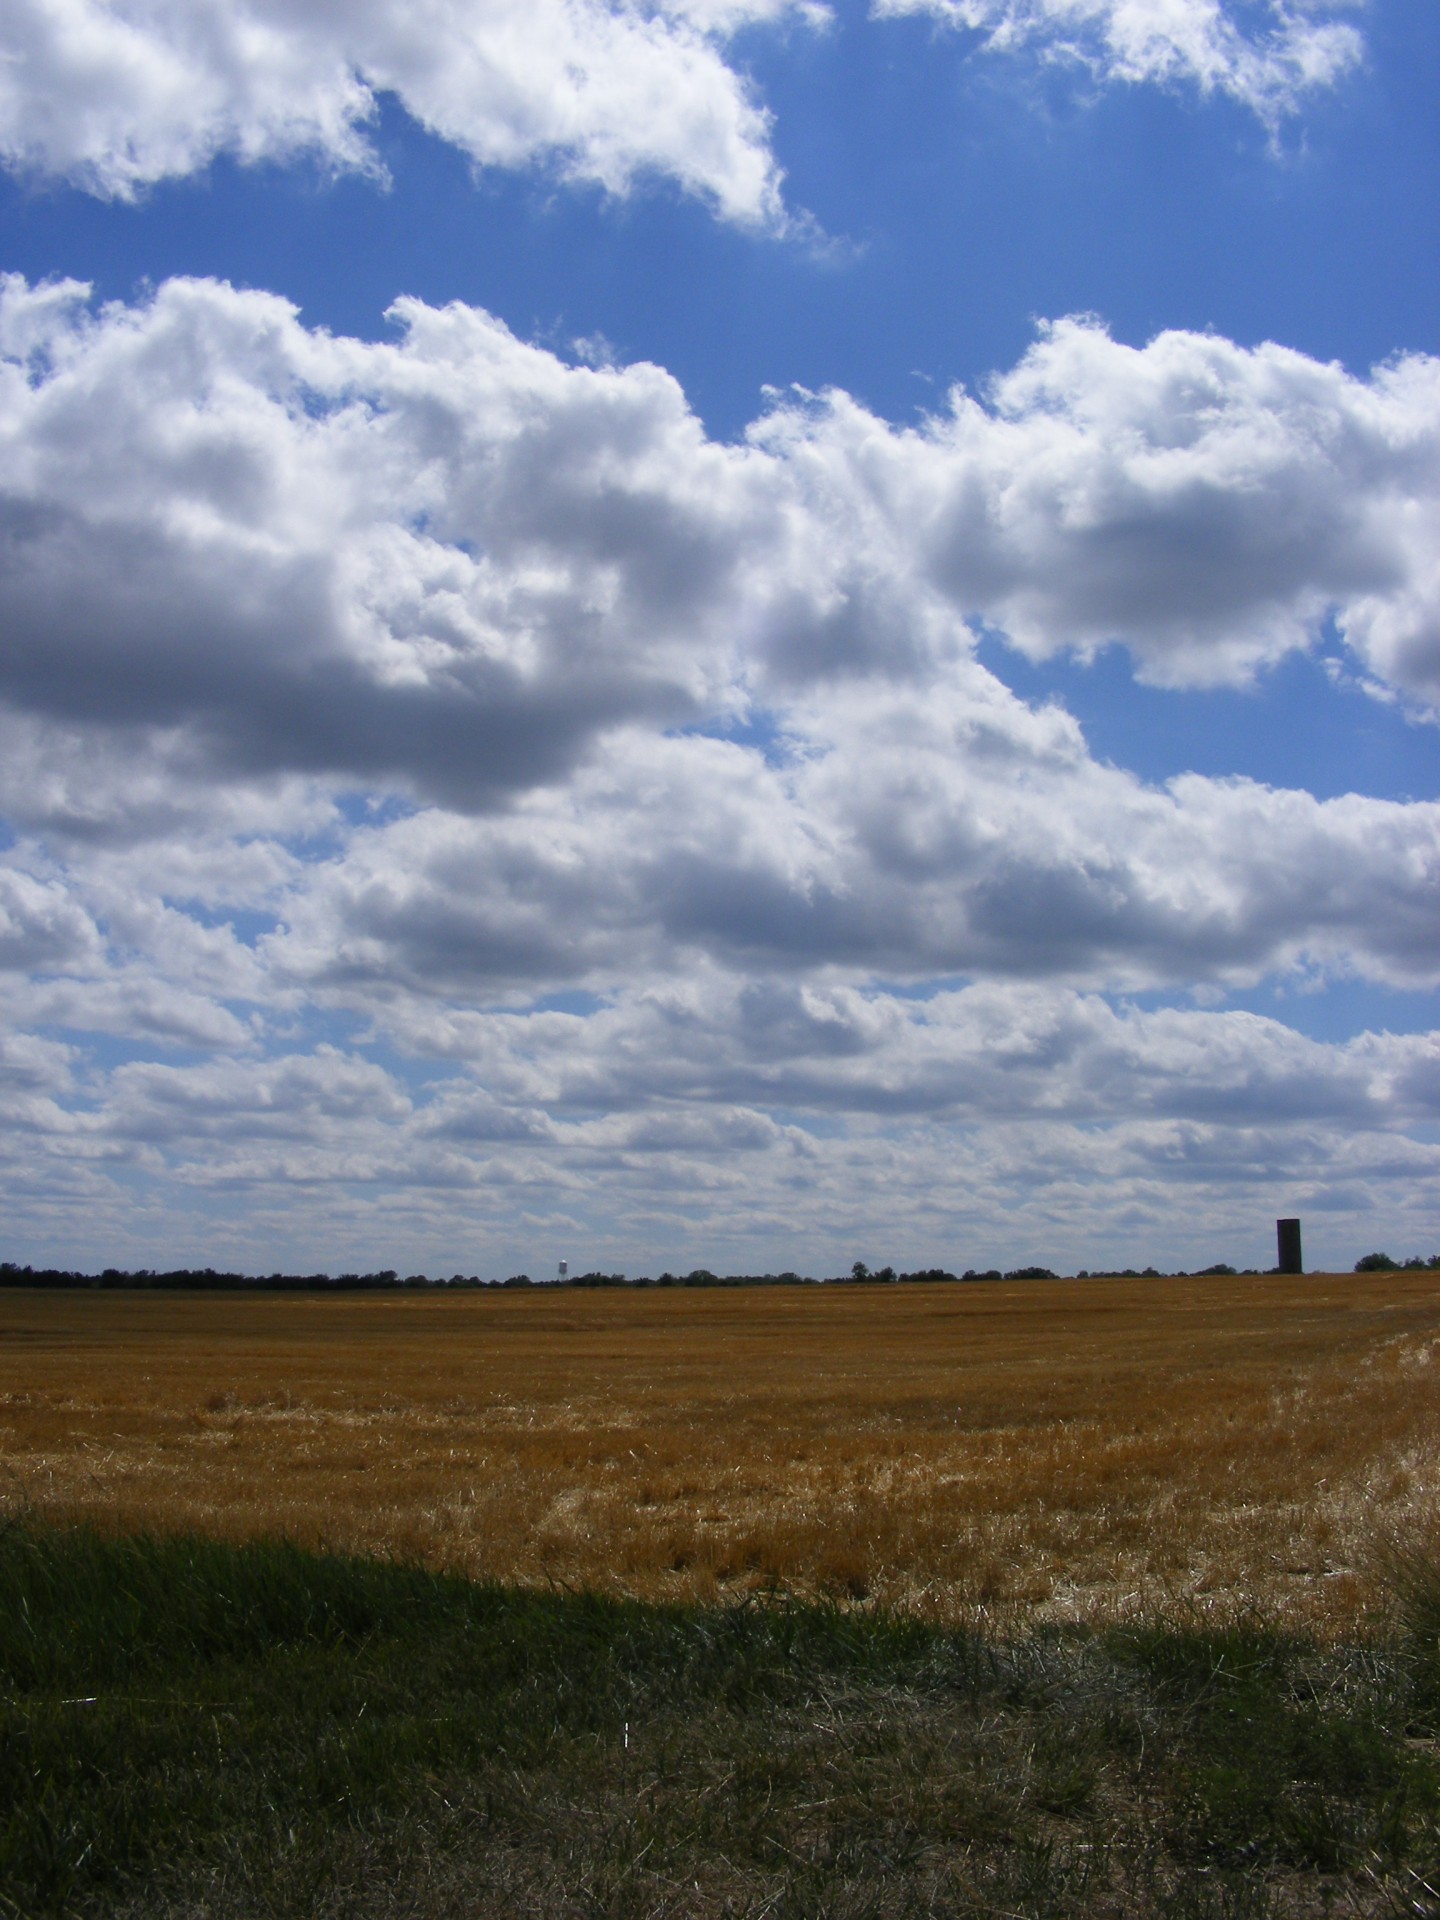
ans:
x=1287 y=1235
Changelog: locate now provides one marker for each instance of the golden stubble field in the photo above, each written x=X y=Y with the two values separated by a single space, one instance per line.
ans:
x=984 y=1454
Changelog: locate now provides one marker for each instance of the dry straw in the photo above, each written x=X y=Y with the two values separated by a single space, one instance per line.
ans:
x=990 y=1454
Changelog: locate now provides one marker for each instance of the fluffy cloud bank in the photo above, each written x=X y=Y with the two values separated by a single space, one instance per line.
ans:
x=453 y=781
x=455 y=562
x=1206 y=505
x=118 y=94
x=1039 y=1125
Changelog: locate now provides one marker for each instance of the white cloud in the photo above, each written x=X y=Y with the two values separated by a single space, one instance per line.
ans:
x=1208 y=44
x=1204 y=504
x=998 y=1052
x=308 y=1098
x=41 y=927
x=134 y=1005
x=908 y=838
x=117 y=94
x=453 y=563
x=359 y=709
x=29 y=1065
x=239 y=558
x=1035 y=1149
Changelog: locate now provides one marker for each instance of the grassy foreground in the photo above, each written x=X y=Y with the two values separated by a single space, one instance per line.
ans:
x=190 y=1727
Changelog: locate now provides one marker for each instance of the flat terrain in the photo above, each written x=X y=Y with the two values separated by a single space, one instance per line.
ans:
x=988 y=1455
x=195 y=1731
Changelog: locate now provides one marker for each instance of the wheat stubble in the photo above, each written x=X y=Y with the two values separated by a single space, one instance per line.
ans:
x=994 y=1454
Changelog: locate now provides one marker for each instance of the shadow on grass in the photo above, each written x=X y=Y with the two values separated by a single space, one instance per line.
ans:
x=193 y=1728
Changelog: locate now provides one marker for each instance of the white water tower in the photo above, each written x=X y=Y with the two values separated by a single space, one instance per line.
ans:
x=564 y=1273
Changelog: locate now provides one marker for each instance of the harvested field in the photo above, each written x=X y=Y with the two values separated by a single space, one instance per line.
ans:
x=993 y=1455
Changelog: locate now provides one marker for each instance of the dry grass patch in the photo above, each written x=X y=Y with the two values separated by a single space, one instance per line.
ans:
x=999 y=1455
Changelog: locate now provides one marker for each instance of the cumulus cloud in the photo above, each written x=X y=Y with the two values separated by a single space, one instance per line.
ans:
x=996 y=1052
x=117 y=94
x=1204 y=504
x=450 y=561
x=481 y=790
x=307 y=1098
x=1207 y=44
x=453 y=563
x=238 y=555
x=41 y=926
x=910 y=839
x=1036 y=1147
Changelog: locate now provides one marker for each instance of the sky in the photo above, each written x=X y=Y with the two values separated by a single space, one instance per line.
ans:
x=730 y=633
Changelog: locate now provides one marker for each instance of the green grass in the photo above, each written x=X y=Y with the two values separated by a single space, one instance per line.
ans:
x=190 y=1728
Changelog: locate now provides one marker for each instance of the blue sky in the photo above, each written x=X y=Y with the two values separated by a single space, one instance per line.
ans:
x=852 y=673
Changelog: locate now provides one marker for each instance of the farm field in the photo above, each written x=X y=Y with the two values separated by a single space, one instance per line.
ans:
x=991 y=1455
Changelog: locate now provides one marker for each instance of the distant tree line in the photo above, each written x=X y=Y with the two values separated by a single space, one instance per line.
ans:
x=210 y=1279
x=207 y=1279
x=385 y=1279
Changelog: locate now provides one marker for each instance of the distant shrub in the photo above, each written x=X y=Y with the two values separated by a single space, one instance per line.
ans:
x=1031 y=1273
x=1218 y=1271
x=1376 y=1263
